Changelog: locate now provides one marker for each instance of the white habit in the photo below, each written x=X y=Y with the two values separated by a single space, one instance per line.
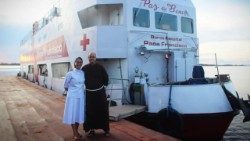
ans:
x=74 y=110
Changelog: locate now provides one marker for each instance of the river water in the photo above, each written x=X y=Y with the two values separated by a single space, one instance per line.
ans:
x=240 y=75
x=8 y=70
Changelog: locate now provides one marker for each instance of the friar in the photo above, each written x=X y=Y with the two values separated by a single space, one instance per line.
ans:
x=97 y=112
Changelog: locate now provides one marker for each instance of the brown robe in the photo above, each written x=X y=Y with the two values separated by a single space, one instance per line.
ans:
x=97 y=113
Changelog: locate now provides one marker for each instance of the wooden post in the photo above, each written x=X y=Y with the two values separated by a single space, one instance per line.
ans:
x=217 y=68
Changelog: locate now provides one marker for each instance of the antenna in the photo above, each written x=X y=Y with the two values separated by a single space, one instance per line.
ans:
x=218 y=73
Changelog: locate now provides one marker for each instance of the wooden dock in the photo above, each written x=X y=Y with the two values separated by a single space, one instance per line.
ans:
x=29 y=112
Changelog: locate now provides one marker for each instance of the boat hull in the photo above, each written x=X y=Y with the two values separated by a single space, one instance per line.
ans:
x=206 y=126
x=210 y=126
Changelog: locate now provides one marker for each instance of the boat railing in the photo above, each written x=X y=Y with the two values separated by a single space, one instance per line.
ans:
x=196 y=81
x=55 y=11
x=26 y=38
x=117 y=86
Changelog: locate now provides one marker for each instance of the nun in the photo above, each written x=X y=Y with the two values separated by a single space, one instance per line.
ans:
x=74 y=111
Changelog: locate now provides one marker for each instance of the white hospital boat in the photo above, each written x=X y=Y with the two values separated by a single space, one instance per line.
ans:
x=150 y=51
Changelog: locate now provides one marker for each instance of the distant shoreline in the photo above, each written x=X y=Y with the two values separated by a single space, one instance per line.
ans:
x=18 y=64
x=10 y=64
x=223 y=65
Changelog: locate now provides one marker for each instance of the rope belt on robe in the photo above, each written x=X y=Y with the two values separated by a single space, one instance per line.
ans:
x=94 y=90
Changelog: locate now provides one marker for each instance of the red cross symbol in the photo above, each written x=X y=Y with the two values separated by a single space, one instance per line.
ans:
x=84 y=42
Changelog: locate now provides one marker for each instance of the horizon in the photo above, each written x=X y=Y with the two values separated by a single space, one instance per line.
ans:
x=222 y=28
x=206 y=64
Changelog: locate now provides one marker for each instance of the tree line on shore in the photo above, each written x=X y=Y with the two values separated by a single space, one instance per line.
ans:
x=9 y=63
x=224 y=65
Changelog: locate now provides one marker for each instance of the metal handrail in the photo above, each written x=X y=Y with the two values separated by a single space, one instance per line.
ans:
x=122 y=89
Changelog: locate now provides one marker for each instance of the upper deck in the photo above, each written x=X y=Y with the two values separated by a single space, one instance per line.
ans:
x=161 y=24
x=143 y=15
x=164 y=24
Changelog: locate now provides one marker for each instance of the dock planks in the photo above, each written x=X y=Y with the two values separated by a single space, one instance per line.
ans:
x=7 y=132
x=32 y=113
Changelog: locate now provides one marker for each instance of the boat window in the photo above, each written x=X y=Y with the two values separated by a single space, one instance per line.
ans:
x=43 y=70
x=165 y=21
x=102 y=14
x=30 y=69
x=141 y=17
x=59 y=70
x=187 y=25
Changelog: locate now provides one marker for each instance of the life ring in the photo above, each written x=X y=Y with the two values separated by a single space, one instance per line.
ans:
x=169 y=121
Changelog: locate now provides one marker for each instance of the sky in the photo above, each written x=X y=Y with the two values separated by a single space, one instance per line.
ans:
x=222 y=27
x=16 y=19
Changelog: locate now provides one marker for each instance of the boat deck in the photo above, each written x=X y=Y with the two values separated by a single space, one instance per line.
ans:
x=117 y=113
x=32 y=113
